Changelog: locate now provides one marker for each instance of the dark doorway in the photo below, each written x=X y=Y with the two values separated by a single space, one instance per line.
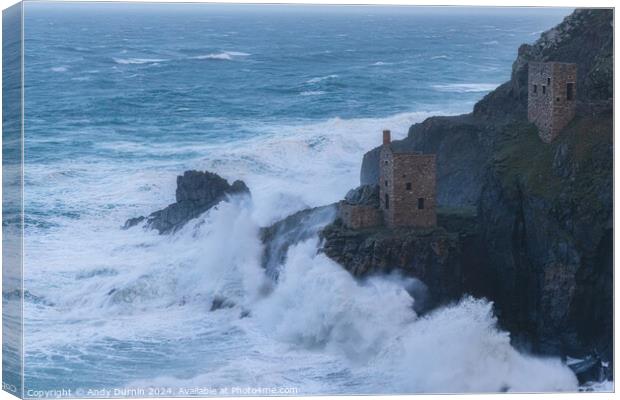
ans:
x=387 y=201
x=421 y=203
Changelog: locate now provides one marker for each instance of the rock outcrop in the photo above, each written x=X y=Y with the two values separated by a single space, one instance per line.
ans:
x=365 y=195
x=196 y=193
x=544 y=211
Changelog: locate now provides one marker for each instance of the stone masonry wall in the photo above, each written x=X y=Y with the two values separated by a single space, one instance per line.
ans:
x=563 y=109
x=357 y=216
x=409 y=181
x=548 y=106
x=386 y=161
x=539 y=109
x=414 y=192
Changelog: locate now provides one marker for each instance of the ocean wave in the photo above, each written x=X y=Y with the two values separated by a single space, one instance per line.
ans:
x=379 y=63
x=316 y=323
x=126 y=61
x=225 y=55
x=466 y=87
x=440 y=57
x=62 y=68
x=312 y=93
x=491 y=42
x=322 y=78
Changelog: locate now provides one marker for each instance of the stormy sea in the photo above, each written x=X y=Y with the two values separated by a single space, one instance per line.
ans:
x=122 y=98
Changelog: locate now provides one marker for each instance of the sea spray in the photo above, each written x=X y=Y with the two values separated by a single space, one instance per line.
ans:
x=318 y=304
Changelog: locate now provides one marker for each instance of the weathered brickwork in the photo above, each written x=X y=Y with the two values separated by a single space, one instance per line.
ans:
x=552 y=94
x=359 y=216
x=407 y=187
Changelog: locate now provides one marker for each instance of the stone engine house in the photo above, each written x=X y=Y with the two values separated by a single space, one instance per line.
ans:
x=551 y=97
x=407 y=186
x=405 y=196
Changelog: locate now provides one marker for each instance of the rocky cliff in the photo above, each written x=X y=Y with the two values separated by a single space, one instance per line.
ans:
x=544 y=211
x=440 y=257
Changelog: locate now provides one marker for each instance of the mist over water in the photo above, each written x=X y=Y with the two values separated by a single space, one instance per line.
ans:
x=122 y=99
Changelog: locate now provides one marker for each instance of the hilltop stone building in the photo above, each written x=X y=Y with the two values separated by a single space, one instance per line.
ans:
x=405 y=196
x=551 y=98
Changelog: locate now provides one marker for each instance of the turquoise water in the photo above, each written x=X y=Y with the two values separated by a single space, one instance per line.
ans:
x=122 y=98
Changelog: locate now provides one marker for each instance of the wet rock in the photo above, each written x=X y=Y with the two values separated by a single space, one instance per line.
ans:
x=220 y=302
x=366 y=195
x=196 y=193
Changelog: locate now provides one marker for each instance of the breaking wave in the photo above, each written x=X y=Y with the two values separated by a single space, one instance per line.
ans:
x=226 y=55
x=322 y=78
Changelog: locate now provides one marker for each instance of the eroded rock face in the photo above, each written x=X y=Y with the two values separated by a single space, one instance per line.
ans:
x=434 y=256
x=196 y=193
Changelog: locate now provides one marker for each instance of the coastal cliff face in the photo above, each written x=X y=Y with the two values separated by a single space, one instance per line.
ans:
x=441 y=258
x=544 y=211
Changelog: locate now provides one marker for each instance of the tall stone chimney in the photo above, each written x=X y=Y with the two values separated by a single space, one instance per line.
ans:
x=386 y=137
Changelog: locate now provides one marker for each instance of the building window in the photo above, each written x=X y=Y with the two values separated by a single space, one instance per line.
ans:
x=386 y=162
x=421 y=203
x=408 y=186
x=535 y=89
x=386 y=183
x=557 y=99
x=570 y=91
x=387 y=201
x=548 y=81
x=544 y=89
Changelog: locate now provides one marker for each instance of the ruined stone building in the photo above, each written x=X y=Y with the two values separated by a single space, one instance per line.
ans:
x=551 y=98
x=407 y=183
x=405 y=196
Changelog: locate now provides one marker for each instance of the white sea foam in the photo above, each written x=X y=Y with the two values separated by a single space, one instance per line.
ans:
x=491 y=42
x=62 y=68
x=440 y=57
x=225 y=55
x=312 y=93
x=466 y=87
x=368 y=331
x=322 y=78
x=126 y=61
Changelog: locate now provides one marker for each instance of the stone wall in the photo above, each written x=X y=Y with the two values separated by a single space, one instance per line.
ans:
x=357 y=216
x=386 y=186
x=563 y=108
x=414 y=190
x=548 y=105
x=408 y=184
